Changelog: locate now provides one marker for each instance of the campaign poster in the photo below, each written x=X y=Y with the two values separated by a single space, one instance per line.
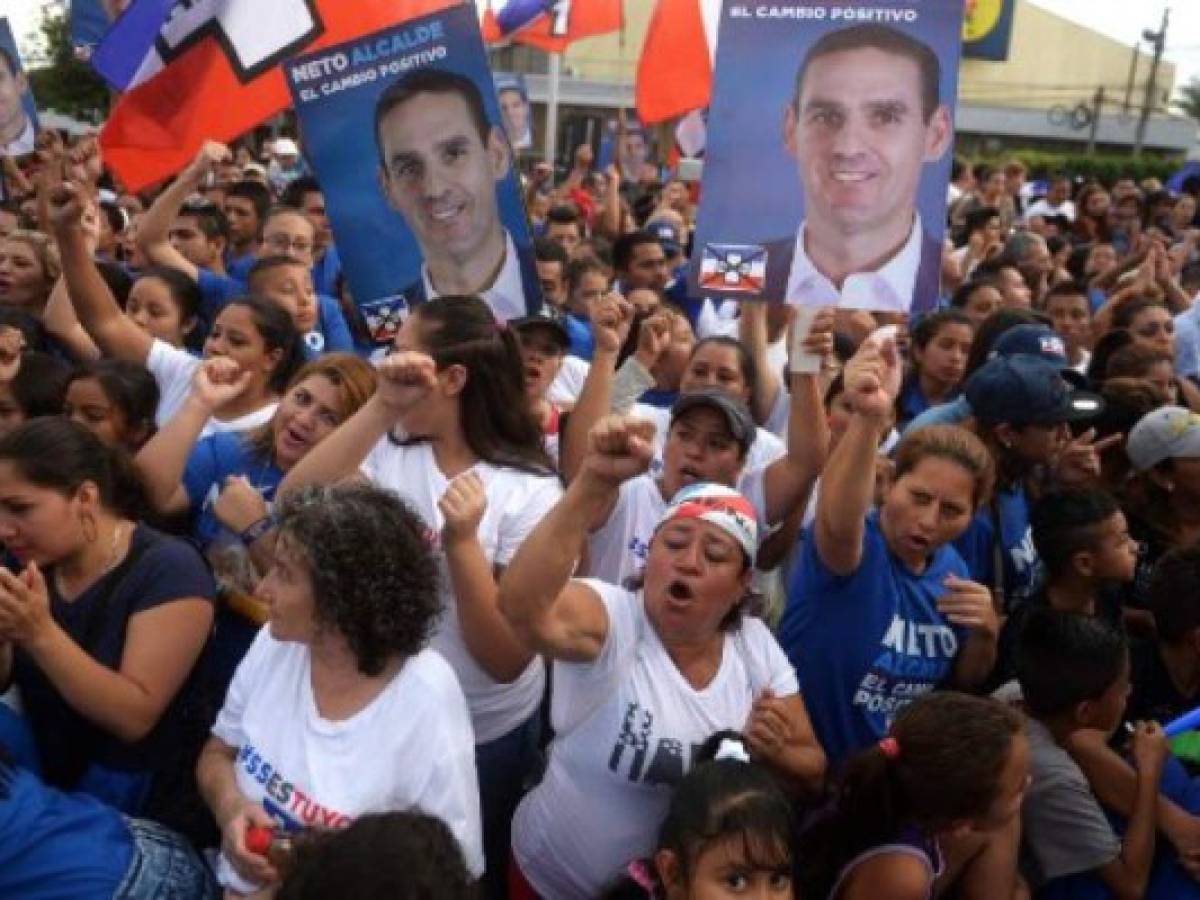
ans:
x=89 y=20
x=829 y=147
x=515 y=110
x=18 y=112
x=403 y=130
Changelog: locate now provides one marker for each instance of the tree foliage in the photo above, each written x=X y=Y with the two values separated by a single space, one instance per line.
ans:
x=63 y=82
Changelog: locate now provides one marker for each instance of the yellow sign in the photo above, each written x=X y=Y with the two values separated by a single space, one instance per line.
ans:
x=981 y=17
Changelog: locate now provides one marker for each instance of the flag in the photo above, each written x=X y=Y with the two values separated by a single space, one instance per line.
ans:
x=733 y=267
x=674 y=74
x=551 y=25
x=209 y=69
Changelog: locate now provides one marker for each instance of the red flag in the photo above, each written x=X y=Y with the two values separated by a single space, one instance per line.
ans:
x=551 y=26
x=157 y=127
x=675 y=70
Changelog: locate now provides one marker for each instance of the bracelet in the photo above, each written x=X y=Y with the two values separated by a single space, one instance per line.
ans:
x=257 y=530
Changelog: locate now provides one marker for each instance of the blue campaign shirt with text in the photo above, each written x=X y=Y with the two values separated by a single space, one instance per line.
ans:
x=214 y=459
x=867 y=644
x=977 y=546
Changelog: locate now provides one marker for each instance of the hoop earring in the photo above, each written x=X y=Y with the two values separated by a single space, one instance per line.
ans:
x=87 y=522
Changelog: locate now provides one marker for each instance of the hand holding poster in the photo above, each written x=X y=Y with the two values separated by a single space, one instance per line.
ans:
x=829 y=153
x=18 y=114
x=403 y=130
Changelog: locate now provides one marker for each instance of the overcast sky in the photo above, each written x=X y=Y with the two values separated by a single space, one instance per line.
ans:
x=1119 y=19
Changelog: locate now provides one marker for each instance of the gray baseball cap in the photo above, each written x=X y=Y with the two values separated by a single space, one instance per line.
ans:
x=733 y=411
x=1169 y=432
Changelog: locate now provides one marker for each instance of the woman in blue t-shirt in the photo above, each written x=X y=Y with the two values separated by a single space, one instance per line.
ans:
x=880 y=610
x=226 y=481
x=102 y=629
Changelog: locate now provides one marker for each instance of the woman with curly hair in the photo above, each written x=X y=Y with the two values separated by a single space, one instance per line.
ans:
x=340 y=708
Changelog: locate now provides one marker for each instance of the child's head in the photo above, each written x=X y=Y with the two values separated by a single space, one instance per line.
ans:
x=1174 y=597
x=114 y=399
x=728 y=830
x=165 y=303
x=288 y=282
x=1073 y=668
x=1083 y=534
x=950 y=763
x=37 y=389
x=399 y=855
x=1070 y=312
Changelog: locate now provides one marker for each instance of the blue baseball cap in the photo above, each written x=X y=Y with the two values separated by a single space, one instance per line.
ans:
x=1023 y=389
x=1041 y=341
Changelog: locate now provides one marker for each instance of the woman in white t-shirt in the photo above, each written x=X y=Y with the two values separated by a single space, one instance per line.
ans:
x=473 y=466
x=341 y=708
x=642 y=677
x=254 y=332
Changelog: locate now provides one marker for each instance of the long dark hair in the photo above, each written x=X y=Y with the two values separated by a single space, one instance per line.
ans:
x=950 y=751
x=497 y=421
x=54 y=453
x=278 y=332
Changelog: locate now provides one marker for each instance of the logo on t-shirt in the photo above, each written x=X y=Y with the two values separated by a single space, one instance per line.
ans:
x=287 y=804
x=631 y=754
x=915 y=657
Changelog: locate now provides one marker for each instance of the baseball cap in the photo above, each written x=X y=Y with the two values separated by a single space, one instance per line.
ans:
x=719 y=505
x=254 y=168
x=1027 y=390
x=1038 y=340
x=667 y=235
x=545 y=321
x=737 y=417
x=1169 y=432
x=285 y=147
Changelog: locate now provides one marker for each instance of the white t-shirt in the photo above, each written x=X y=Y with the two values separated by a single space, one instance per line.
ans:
x=516 y=502
x=626 y=726
x=410 y=747
x=617 y=549
x=174 y=369
x=568 y=383
x=766 y=448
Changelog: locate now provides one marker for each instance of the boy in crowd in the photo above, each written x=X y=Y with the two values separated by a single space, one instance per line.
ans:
x=1083 y=541
x=1074 y=676
x=1070 y=313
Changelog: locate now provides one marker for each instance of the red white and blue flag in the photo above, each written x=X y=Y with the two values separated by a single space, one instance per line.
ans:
x=551 y=25
x=193 y=70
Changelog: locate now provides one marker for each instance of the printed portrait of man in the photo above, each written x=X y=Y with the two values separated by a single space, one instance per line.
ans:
x=863 y=122
x=440 y=164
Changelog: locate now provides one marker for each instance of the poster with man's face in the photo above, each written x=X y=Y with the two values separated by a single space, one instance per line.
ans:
x=515 y=109
x=829 y=150
x=404 y=133
x=18 y=112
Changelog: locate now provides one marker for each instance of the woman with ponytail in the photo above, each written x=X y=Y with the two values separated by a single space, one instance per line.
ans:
x=450 y=429
x=103 y=626
x=935 y=803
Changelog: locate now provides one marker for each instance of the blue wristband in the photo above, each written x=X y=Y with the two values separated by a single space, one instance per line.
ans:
x=257 y=530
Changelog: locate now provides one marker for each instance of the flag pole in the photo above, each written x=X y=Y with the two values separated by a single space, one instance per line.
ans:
x=552 y=107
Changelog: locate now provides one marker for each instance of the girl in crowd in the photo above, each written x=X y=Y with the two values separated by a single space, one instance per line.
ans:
x=450 y=429
x=728 y=832
x=1023 y=412
x=29 y=267
x=340 y=708
x=869 y=582
x=1142 y=362
x=934 y=805
x=1149 y=322
x=642 y=674
x=939 y=348
x=255 y=333
x=977 y=300
x=544 y=344
x=115 y=400
x=105 y=623
x=227 y=481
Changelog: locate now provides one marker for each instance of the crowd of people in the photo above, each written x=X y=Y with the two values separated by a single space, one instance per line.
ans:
x=621 y=599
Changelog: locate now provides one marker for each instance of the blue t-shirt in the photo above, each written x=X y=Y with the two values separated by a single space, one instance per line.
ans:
x=215 y=293
x=911 y=403
x=75 y=753
x=977 y=546
x=214 y=459
x=238 y=267
x=332 y=334
x=579 y=331
x=867 y=644
x=56 y=846
x=955 y=412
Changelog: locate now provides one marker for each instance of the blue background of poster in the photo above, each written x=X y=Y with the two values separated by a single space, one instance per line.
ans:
x=380 y=256
x=9 y=43
x=751 y=190
x=89 y=21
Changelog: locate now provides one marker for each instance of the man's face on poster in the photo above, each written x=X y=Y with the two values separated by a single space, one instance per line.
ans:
x=515 y=111
x=860 y=138
x=635 y=150
x=12 y=114
x=440 y=175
